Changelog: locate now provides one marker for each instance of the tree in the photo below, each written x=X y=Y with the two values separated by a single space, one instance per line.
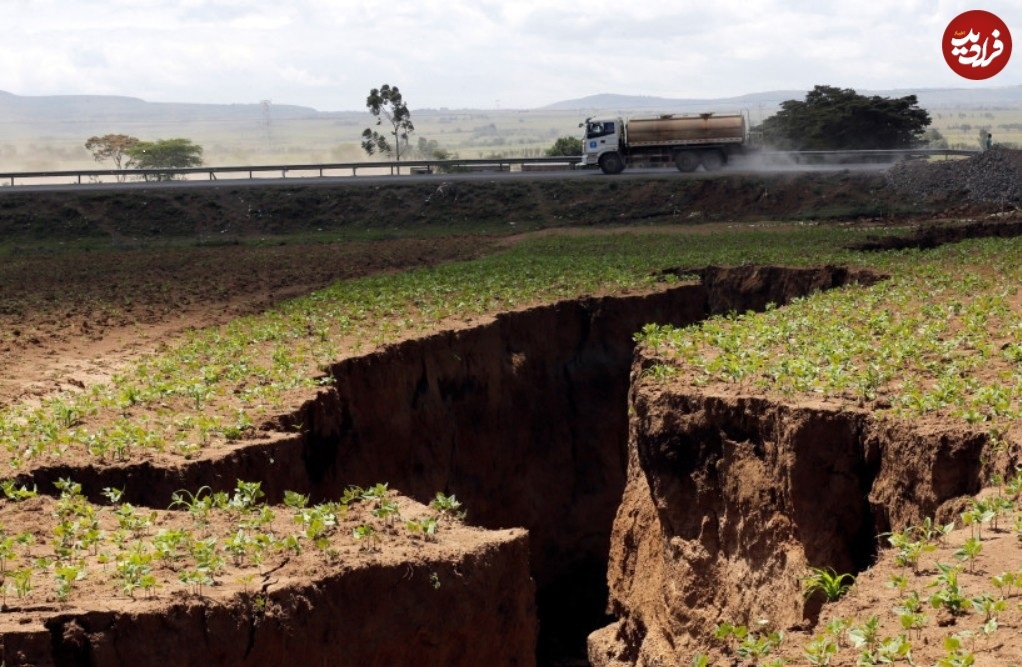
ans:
x=387 y=103
x=111 y=147
x=569 y=146
x=165 y=154
x=932 y=138
x=840 y=119
x=429 y=149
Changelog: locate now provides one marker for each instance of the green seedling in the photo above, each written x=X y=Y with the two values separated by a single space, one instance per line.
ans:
x=448 y=506
x=67 y=576
x=22 y=579
x=820 y=651
x=969 y=552
x=826 y=582
x=426 y=527
x=866 y=636
x=949 y=594
x=956 y=655
x=1005 y=582
x=367 y=536
x=17 y=493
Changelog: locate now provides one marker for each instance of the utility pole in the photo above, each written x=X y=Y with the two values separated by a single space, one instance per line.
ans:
x=267 y=124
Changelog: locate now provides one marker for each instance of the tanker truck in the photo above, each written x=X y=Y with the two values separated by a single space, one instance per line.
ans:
x=688 y=141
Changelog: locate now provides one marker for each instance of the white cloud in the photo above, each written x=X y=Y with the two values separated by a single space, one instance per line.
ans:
x=459 y=53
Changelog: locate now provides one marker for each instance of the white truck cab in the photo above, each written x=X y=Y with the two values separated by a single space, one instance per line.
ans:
x=602 y=136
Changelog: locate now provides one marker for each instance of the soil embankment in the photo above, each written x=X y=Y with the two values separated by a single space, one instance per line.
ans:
x=732 y=497
x=523 y=418
x=385 y=609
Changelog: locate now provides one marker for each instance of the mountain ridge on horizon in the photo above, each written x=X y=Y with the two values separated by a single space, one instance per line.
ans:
x=41 y=108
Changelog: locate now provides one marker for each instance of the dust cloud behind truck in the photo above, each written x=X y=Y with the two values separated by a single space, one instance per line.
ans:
x=688 y=141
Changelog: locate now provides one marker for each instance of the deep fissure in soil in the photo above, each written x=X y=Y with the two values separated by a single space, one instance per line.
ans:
x=526 y=421
x=732 y=497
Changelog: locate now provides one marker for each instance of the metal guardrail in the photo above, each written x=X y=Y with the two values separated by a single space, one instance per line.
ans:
x=895 y=153
x=436 y=166
x=413 y=166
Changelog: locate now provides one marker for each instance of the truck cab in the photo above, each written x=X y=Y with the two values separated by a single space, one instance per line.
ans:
x=602 y=138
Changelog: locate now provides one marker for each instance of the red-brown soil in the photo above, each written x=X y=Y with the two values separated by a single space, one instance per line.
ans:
x=731 y=498
x=407 y=600
x=71 y=317
x=559 y=473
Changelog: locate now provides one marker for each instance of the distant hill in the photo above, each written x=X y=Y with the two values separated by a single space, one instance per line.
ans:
x=17 y=108
x=612 y=102
x=929 y=98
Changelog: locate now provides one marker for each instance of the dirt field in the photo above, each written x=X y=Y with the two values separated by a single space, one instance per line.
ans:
x=91 y=283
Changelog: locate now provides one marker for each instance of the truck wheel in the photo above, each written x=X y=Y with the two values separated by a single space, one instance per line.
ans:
x=712 y=160
x=611 y=163
x=686 y=160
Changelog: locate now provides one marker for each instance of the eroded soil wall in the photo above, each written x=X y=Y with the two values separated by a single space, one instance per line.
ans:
x=731 y=498
x=524 y=419
x=370 y=615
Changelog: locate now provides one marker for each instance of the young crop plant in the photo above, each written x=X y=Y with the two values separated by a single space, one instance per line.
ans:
x=67 y=576
x=866 y=636
x=319 y=523
x=199 y=504
x=969 y=552
x=1005 y=583
x=17 y=493
x=949 y=594
x=426 y=527
x=930 y=530
x=909 y=551
x=827 y=582
x=956 y=654
x=979 y=513
x=246 y=496
x=367 y=536
x=754 y=647
x=448 y=506
x=730 y=635
x=135 y=571
x=820 y=651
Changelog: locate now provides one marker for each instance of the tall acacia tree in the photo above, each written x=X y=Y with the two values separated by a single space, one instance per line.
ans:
x=386 y=103
x=111 y=147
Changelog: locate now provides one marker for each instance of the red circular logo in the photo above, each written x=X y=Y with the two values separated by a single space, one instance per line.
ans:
x=976 y=44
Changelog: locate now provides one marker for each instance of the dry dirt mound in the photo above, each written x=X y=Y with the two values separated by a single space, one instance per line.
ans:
x=992 y=177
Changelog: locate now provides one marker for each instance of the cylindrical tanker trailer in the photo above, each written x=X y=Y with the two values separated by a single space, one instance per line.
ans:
x=688 y=141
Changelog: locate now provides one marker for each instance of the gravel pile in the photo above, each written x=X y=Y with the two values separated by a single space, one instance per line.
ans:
x=991 y=177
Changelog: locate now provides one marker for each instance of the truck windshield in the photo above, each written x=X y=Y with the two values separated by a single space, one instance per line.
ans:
x=599 y=129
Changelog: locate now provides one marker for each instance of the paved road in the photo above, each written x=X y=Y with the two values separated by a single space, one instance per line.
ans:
x=737 y=168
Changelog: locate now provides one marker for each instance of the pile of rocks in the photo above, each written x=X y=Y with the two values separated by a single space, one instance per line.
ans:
x=991 y=177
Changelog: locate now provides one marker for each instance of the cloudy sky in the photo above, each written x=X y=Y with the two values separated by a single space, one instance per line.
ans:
x=476 y=53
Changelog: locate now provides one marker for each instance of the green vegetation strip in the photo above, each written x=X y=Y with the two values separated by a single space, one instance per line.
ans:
x=216 y=386
x=943 y=336
x=205 y=539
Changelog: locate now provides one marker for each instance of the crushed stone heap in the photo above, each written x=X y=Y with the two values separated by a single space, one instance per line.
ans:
x=991 y=177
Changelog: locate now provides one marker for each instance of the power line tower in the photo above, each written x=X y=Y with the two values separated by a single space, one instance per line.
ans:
x=267 y=123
